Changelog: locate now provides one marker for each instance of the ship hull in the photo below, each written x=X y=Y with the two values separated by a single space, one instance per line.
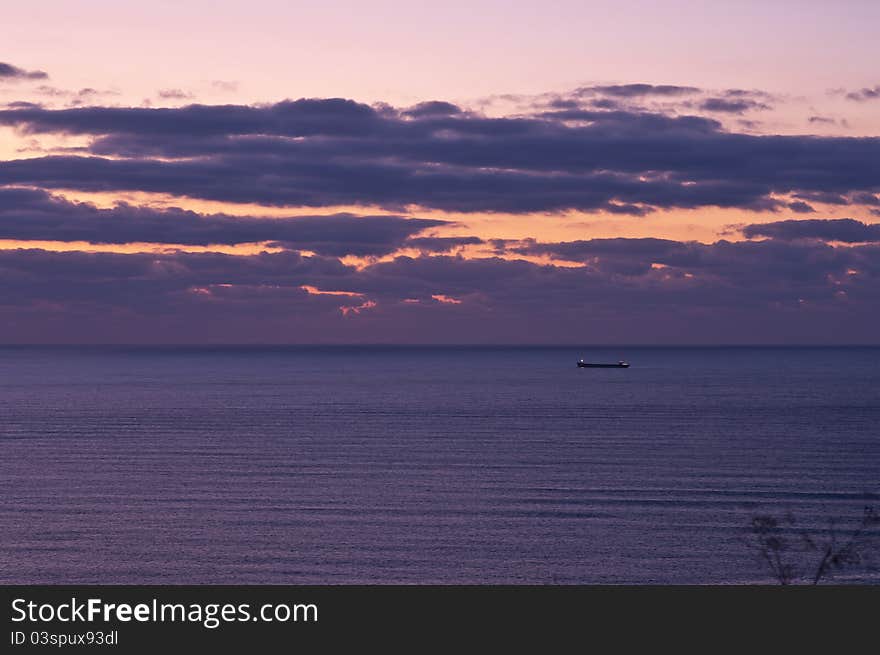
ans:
x=586 y=365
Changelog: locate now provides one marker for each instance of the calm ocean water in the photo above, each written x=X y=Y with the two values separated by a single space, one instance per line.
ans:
x=440 y=465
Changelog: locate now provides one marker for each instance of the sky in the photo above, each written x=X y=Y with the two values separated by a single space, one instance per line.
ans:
x=477 y=172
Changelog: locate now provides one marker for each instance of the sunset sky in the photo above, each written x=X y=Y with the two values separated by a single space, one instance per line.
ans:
x=465 y=172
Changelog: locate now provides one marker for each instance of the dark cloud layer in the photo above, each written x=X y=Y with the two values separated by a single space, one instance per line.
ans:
x=789 y=281
x=338 y=152
x=623 y=290
x=27 y=214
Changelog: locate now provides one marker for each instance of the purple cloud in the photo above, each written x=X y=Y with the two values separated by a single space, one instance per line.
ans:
x=731 y=105
x=846 y=230
x=29 y=215
x=432 y=108
x=10 y=72
x=800 y=207
x=633 y=289
x=637 y=90
x=863 y=95
x=787 y=278
x=174 y=94
x=347 y=153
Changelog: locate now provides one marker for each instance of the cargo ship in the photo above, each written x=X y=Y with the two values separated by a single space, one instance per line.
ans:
x=621 y=364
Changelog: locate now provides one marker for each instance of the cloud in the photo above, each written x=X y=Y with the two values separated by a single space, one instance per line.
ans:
x=616 y=255
x=33 y=215
x=863 y=95
x=174 y=94
x=671 y=98
x=52 y=91
x=432 y=108
x=826 y=197
x=75 y=98
x=641 y=290
x=305 y=117
x=846 y=230
x=637 y=90
x=800 y=207
x=865 y=199
x=748 y=93
x=731 y=106
x=10 y=72
x=791 y=280
x=146 y=286
x=337 y=152
x=225 y=86
x=23 y=104
x=441 y=244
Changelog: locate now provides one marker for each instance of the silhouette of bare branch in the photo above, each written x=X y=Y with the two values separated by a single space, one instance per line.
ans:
x=790 y=552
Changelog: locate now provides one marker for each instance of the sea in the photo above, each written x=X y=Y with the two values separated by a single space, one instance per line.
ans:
x=440 y=464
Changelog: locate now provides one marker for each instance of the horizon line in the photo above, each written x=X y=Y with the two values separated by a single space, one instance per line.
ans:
x=431 y=345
